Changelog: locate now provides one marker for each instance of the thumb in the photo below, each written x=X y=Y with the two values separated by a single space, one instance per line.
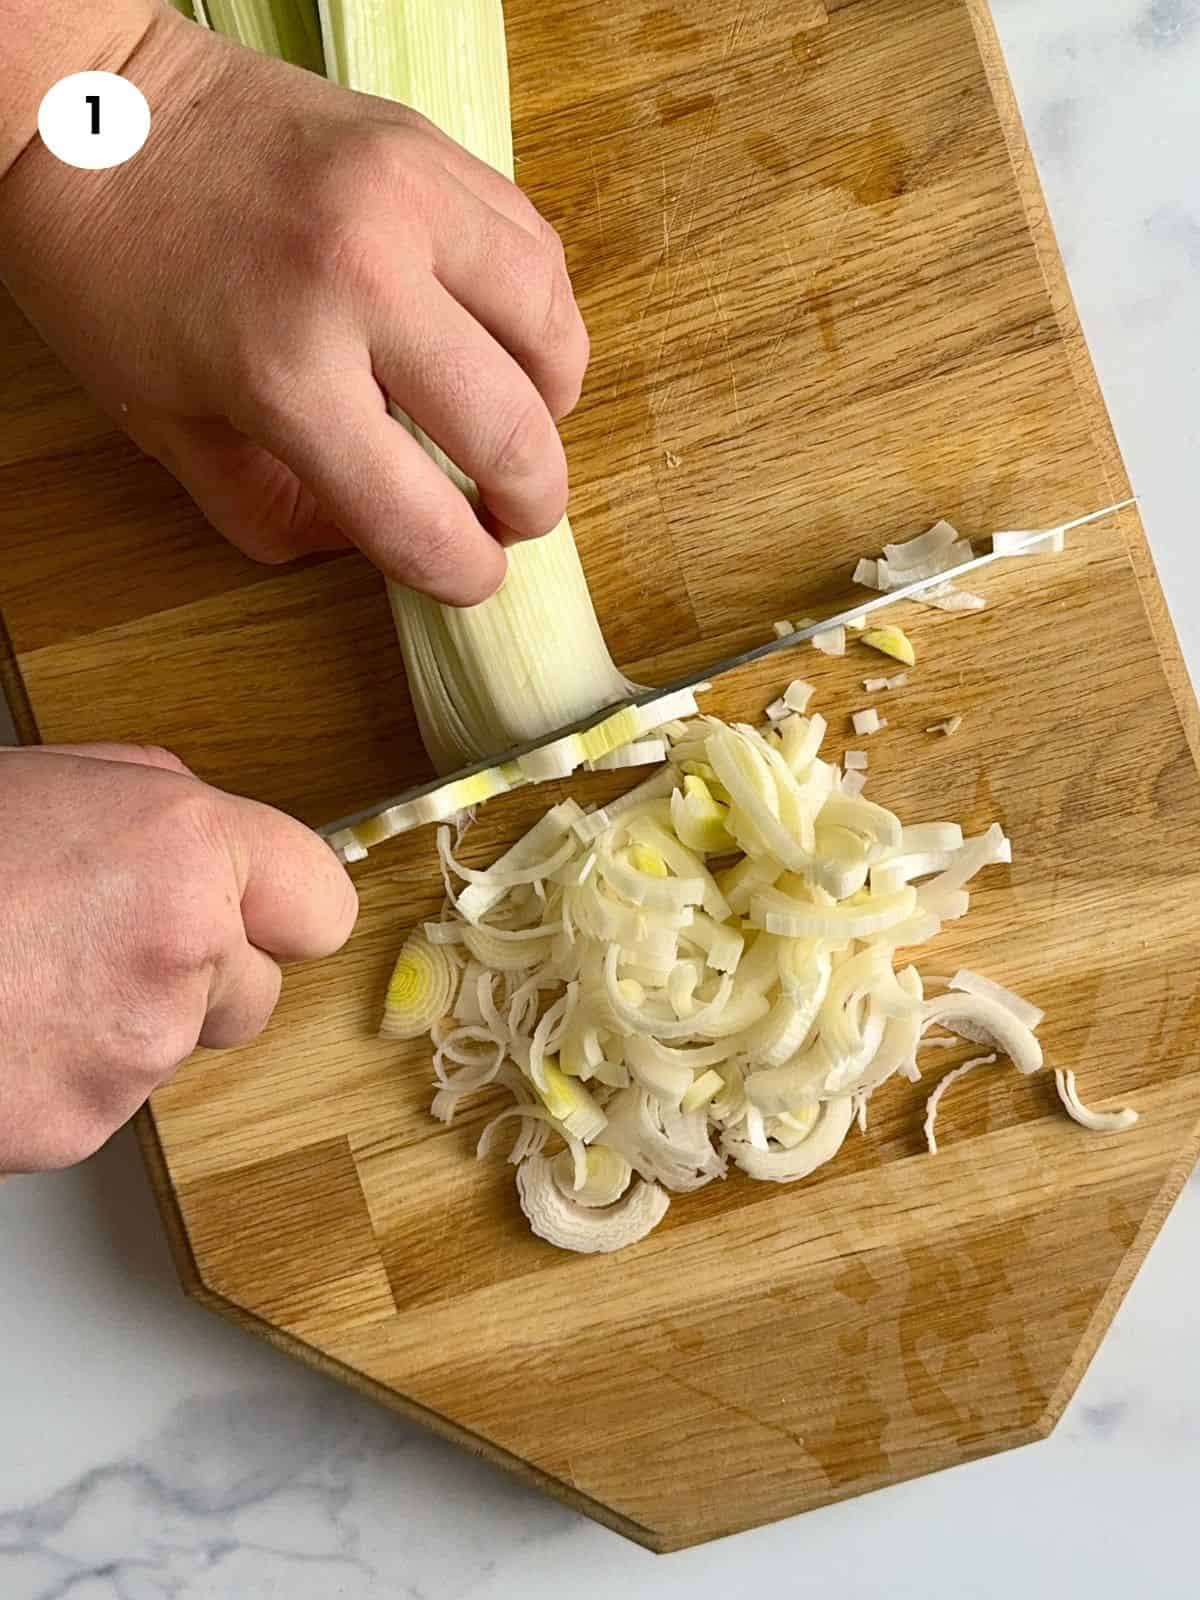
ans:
x=248 y=495
x=297 y=900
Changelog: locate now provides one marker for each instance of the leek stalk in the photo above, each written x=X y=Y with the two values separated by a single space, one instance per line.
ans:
x=288 y=29
x=532 y=658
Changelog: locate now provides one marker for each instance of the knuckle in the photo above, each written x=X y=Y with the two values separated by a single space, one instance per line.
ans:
x=437 y=548
x=411 y=126
x=149 y=1060
x=178 y=946
x=552 y=240
x=144 y=1043
x=559 y=315
x=382 y=166
x=240 y=1028
x=523 y=449
x=353 y=260
x=181 y=913
x=564 y=343
x=156 y=755
x=375 y=174
x=242 y=359
x=276 y=409
x=260 y=385
x=187 y=814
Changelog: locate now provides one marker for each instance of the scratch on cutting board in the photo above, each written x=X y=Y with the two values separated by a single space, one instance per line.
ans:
x=698 y=158
x=730 y=366
x=715 y=292
x=722 y=324
x=663 y=264
x=805 y=296
x=734 y=34
x=720 y=1403
x=596 y=185
x=788 y=326
x=744 y=201
x=634 y=341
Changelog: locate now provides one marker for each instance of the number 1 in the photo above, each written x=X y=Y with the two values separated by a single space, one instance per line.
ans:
x=93 y=100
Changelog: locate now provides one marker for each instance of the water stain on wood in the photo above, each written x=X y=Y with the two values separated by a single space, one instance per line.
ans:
x=856 y=1281
x=880 y=165
x=819 y=300
x=854 y=1341
x=769 y=153
x=1122 y=1221
x=688 y=1341
x=675 y=108
x=808 y=46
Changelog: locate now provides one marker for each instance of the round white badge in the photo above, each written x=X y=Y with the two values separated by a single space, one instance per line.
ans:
x=94 y=120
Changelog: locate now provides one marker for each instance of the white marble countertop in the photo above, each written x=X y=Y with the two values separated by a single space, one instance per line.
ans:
x=149 y=1451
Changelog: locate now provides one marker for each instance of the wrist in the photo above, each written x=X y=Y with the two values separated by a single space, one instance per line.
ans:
x=46 y=40
x=48 y=207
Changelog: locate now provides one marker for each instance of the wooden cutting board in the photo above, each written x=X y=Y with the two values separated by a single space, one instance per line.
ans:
x=826 y=307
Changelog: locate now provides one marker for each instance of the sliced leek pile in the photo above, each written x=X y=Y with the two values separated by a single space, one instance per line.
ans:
x=705 y=971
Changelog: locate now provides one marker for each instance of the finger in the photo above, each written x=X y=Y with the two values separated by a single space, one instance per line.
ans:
x=135 y=755
x=472 y=399
x=247 y=494
x=297 y=901
x=243 y=994
x=517 y=286
x=385 y=492
x=495 y=189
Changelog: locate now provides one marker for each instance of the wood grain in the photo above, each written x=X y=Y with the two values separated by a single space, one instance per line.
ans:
x=826 y=307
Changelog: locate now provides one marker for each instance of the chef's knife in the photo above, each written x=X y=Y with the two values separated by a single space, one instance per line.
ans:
x=788 y=641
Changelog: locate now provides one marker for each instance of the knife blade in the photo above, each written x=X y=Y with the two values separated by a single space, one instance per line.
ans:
x=788 y=641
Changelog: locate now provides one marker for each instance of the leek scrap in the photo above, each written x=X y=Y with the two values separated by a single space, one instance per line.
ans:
x=891 y=641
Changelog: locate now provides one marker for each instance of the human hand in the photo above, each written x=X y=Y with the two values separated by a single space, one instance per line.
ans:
x=141 y=913
x=280 y=256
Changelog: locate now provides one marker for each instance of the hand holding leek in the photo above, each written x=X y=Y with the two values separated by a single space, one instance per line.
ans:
x=280 y=259
x=141 y=913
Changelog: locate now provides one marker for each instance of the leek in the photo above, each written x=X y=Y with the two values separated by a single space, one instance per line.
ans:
x=287 y=29
x=532 y=658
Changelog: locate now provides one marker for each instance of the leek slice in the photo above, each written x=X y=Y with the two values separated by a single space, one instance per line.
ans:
x=419 y=991
x=572 y=1225
x=1097 y=1121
